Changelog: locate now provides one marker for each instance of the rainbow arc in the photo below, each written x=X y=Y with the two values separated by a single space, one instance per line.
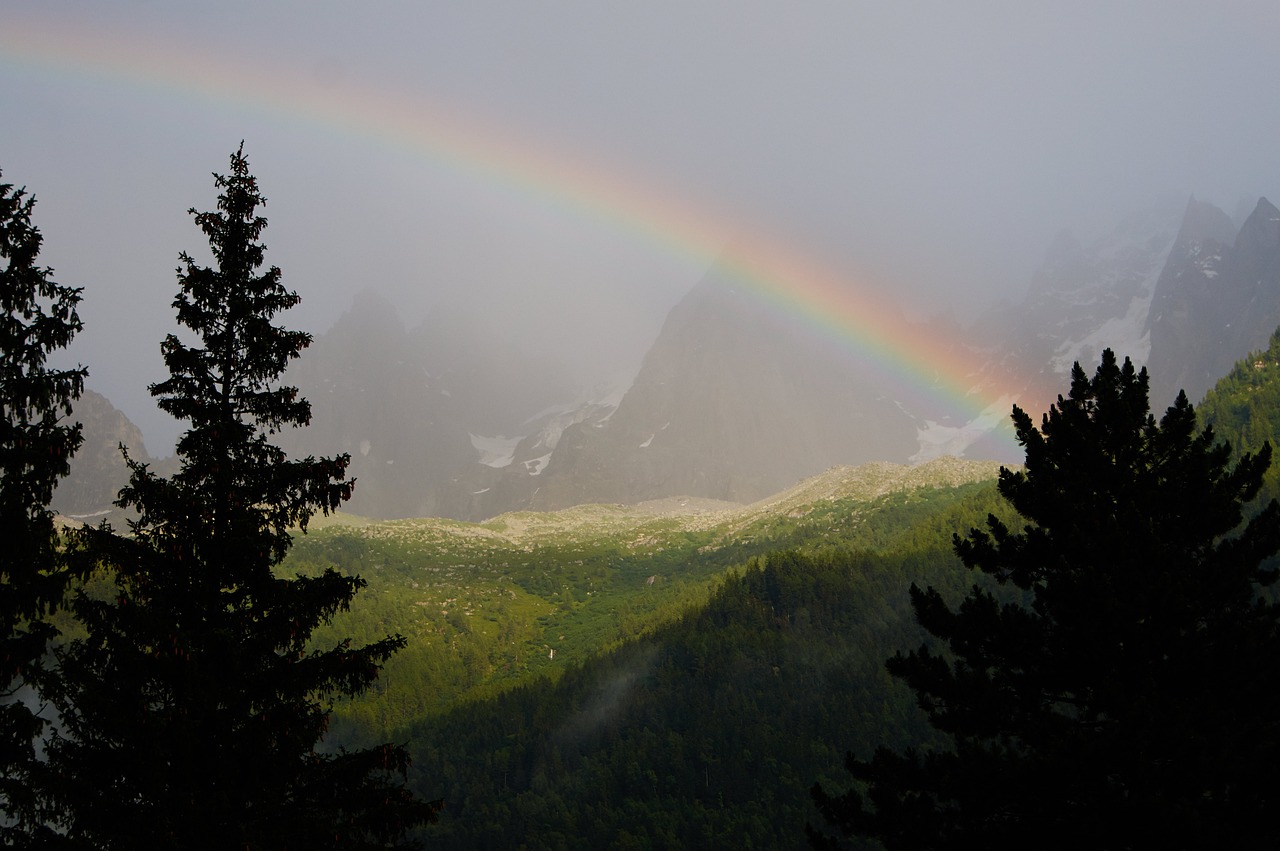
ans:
x=851 y=313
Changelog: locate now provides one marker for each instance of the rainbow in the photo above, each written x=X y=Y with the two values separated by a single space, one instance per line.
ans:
x=868 y=326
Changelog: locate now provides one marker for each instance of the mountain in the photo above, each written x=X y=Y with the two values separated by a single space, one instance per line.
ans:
x=1086 y=296
x=98 y=471
x=732 y=402
x=497 y=386
x=1217 y=299
x=373 y=397
x=425 y=412
x=736 y=400
x=1186 y=297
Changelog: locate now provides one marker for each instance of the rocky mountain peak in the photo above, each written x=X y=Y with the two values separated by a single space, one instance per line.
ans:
x=734 y=401
x=1217 y=299
x=369 y=313
x=1260 y=234
x=98 y=470
x=1203 y=221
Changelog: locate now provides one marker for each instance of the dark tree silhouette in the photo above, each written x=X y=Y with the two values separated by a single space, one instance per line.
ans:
x=193 y=710
x=1119 y=690
x=37 y=317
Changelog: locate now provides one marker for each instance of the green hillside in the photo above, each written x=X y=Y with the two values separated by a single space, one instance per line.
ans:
x=710 y=661
x=1244 y=409
x=488 y=606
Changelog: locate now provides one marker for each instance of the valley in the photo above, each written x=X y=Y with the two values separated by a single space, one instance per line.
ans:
x=545 y=647
x=487 y=606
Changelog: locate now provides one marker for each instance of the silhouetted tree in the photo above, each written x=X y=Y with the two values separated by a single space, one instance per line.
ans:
x=1122 y=692
x=37 y=317
x=193 y=710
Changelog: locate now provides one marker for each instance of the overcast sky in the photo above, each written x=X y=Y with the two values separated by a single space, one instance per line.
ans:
x=537 y=159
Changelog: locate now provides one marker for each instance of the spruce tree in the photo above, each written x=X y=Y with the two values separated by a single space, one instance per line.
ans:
x=1115 y=686
x=193 y=711
x=37 y=440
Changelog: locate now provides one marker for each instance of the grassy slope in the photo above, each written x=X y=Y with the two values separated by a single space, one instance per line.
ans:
x=708 y=730
x=484 y=606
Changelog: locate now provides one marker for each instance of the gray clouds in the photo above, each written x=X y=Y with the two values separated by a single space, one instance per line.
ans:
x=932 y=148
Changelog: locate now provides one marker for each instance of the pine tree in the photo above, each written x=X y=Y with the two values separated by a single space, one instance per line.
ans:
x=37 y=317
x=1115 y=686
x=194 y=709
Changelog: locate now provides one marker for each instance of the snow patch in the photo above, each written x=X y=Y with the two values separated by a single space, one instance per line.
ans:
x=537 y=465
x=937 y=440
x=495 y=451
x=597 y=398
x=645 y=445
x=1125 y=335
x=365 y=446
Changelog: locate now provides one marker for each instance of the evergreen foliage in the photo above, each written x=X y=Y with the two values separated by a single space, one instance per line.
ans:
x=192 y=711
x=1244 y=408
x=481 y=612
x=37 y=317
x=704 y=734
x=706 y=726
x=721 y=682
x=1123 y=695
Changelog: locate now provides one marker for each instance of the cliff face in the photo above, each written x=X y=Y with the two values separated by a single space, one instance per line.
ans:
x=732 y=402
x=1085 y=297
x=374 y=398
x=98 y=471
x=1217 y=299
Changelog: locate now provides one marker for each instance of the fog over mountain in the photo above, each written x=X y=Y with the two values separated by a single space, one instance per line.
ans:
x=734 y=400
x=539 y=184
x=1216 y=300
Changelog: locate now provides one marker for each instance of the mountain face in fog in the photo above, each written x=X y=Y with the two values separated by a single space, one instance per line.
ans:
x=1184 y=296
x=98 y=471
x=734 y=401
x=731 y=402
x=372 y=398
x=1218 y=299
x=1085 y=297
x=404 y=404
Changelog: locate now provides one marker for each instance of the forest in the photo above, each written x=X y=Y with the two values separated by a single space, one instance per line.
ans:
x=770 y=649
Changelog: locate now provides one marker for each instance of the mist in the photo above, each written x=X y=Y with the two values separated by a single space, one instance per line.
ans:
x=931 y=151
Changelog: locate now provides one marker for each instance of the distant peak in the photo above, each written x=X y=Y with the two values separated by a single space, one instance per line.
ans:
x=370 y=307
x=1261 y=231
x=1203 y=221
